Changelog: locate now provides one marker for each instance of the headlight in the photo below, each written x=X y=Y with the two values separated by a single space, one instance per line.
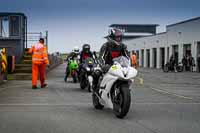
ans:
x=125 y=72
x=87 y=68
x=97 y=69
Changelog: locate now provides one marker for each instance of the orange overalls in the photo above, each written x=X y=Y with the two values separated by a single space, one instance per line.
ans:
x=134 y=60
x=39 y=62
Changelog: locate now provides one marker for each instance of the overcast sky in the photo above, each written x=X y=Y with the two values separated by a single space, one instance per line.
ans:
x=75 y=22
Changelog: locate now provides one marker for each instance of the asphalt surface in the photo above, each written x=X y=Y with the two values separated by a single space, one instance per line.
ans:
x=161 y=103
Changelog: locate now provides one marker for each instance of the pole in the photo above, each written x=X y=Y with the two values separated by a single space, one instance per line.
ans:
x=47 y=39
x=25 y=32
x=40 y=34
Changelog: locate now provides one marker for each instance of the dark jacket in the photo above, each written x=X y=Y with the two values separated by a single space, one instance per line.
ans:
x=110 y=50
x=84 y=56
x=72 y=55
x=198 y=61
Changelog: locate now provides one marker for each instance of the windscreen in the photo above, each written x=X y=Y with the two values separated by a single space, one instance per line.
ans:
x=122 y=60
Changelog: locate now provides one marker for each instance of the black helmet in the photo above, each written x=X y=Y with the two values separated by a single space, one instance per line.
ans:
x=115 y=34
x=41 y=40
x=86 y=48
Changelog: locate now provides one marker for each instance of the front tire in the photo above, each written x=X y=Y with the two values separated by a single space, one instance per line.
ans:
x=89 y=88
x=121 y=102
x=82 y=85
x=83 y=82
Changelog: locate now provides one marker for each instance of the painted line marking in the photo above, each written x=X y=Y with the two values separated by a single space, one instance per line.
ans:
x=78 y=104
x=169 y=93
x=44 y=104
x=141 y=80
x=166 y=103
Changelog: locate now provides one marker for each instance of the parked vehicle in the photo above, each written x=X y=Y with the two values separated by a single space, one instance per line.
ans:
x=113 y=89
x=169 y=67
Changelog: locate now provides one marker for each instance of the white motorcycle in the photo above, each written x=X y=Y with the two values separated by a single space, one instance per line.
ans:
x=113 y=89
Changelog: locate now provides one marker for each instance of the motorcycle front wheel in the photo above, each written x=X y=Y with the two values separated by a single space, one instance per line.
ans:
x=89 y=88
x=83 y=82
x=121 y=101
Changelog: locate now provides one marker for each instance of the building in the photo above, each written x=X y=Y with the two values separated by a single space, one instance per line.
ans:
x=13 y=33
x=132 y=31
x=180 y=39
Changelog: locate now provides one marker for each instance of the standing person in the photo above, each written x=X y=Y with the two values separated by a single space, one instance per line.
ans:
x=187 y=63
x=173 y=63
x=198 y=63
x=39 y=62
x=134 y=60
x=192 y=63
x=184 y=62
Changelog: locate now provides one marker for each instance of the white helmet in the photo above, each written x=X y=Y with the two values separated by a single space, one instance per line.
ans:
x=76 y=50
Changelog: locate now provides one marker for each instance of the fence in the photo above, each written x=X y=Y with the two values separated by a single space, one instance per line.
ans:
x=33 y=38
x=54 y=61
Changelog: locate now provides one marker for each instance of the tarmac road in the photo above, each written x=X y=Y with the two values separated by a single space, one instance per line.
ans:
x=161 y=103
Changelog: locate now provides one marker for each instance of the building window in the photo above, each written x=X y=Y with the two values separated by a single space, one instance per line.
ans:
x=14 y=25
x=4 y=27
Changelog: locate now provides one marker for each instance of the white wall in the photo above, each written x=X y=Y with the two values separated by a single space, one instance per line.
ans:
x=185 y=33
x=179 y=34
x=147 y=42
x=150 y=42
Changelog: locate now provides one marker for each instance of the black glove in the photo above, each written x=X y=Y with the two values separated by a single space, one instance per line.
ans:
x=105 y=68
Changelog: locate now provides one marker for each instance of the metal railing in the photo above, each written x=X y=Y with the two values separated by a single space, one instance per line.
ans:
x=33 y=37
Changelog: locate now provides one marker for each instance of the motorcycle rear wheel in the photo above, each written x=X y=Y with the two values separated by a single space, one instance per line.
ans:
x=74 y=80
x=75 y=77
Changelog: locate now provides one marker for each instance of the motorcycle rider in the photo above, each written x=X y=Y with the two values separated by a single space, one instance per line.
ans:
x=113 y=48
x=72 y=55
x=85 y=53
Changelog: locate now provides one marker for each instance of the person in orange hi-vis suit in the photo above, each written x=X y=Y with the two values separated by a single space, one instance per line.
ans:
x=134 y=60
x=39 y=62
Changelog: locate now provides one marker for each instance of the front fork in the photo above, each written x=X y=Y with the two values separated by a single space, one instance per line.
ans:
x=90 y=79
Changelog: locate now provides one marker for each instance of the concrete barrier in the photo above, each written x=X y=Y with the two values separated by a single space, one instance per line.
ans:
x=54 y=61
